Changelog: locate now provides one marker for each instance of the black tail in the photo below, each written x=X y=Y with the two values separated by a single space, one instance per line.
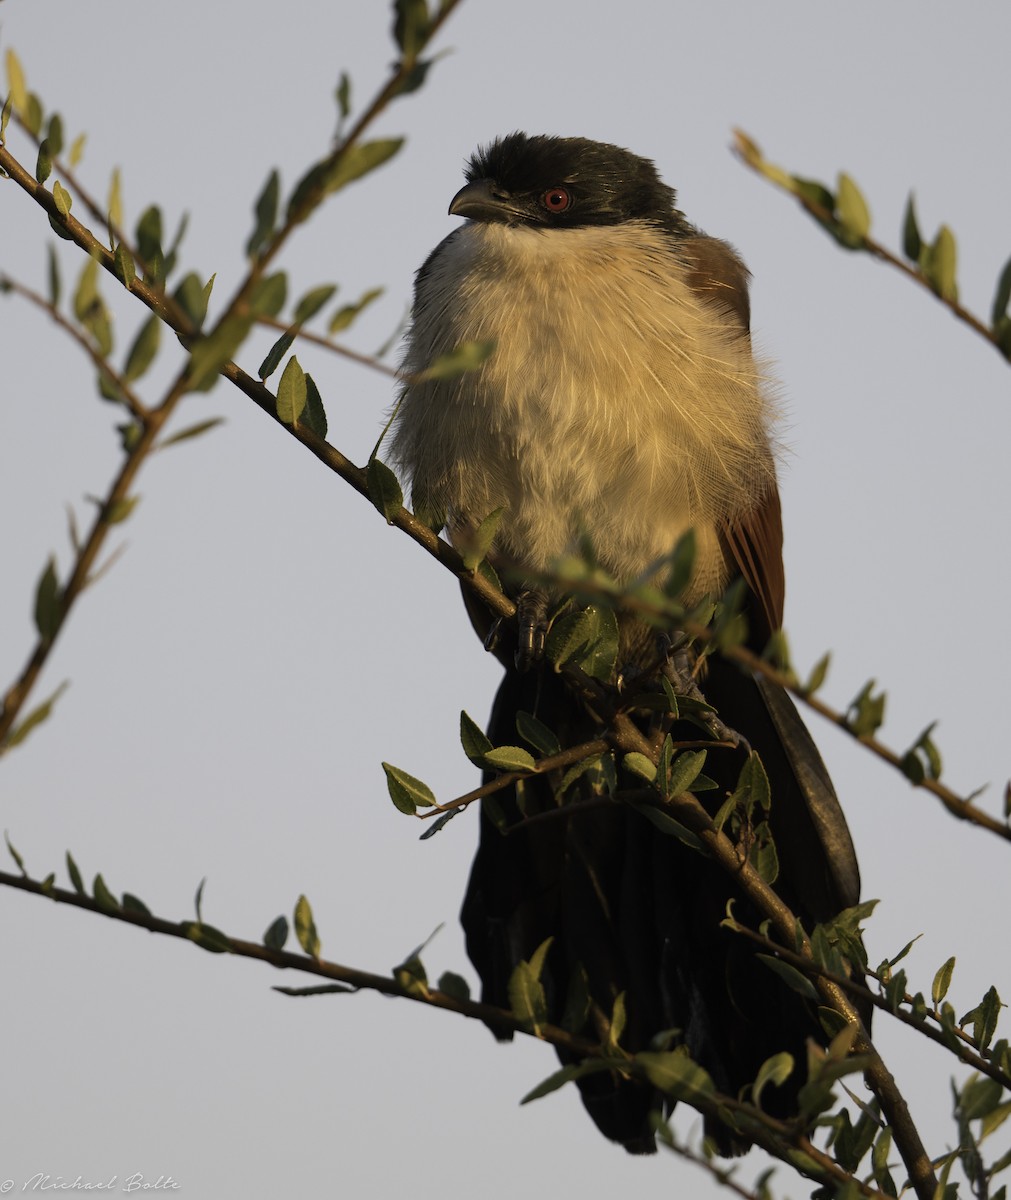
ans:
x=634 y=910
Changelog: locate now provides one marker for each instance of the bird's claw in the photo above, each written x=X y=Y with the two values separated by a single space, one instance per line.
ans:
x=531 y=628
x=680 y=659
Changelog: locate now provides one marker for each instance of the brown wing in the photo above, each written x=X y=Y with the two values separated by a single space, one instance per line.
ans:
x=717 y=275
x=754 y=543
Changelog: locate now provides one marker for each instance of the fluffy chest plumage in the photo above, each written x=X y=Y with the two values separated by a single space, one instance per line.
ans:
x=617 y=402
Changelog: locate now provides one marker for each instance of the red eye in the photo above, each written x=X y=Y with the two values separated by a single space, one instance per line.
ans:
x=557 y=199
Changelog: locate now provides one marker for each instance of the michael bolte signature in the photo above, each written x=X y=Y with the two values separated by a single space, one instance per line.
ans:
x=43 y=1182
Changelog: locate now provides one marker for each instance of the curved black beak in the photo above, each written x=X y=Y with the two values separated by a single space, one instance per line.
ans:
x=484 y=200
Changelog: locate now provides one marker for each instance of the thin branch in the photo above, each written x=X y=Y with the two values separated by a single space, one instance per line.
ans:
x=313 y=197
x=943 y=1035
x=780 y=1138
x=751 y=157
x=614 y=595
x=691 y=813
x=318 y=339
x=130 y=397
x=67 y=175
x=552 y=762
x=86 y=556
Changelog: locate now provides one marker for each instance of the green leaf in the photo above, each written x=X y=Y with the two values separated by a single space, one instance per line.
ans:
x=539 y=956
x=790 y=975
x=510 y=758
x=305 y=928
x=439 y=823
x=980 y=1096
x=763 y=855
x=406 y=792
x=527 y=1000
x=676 y=1075
x=5 y=116
x=103 y=897
x=480 y=540
x=852 y=209
x=120 y=509
x=683 y=771
x=411 y=975
x=984 y=1018
x=384 y=489
x=567 y=1075
x=191 y=431
x=191 y=295
x=86 y=296
x=912 y=242
x=77 y=149
x=54 y=277
x=276 y=934
x=124 y=267
x=269 y=295
x=132 y=903
x=291 y=393
x=567 y=637
x=15 y=855
x=468 y=356
x=602 y=653
x=33 y=115
x=475 y=742
x=410 y=25
x=313 y=301
x=344 y=316
x=938 y=265
x=360 y=159
x=588 y=638
x=313 y=415
x=639 y=764
x=209 y=354
x=149 y=235
x=866 y=712
x=274 y=355
x=16 y=83
x=619 y=1019
x=55 y=134
x=668 y=825
x=879 y=1162
x=453 y=985
x=44 y=162
x=1002 y=296
x=535 y=733
x=142 y=352
x=818 y=674
x=330 y=175
x=48 y=602
x=265 y=212
x=75 y=875
x=813 y=191
x=33 y=719
x=343 y=96
x=115 y=203
x=775 y=1070
x=206 y=937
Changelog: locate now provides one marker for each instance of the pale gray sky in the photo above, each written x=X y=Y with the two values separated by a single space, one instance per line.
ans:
x=266 y=640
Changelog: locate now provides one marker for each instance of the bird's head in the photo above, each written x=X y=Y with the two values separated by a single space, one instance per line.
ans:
x=564 y=183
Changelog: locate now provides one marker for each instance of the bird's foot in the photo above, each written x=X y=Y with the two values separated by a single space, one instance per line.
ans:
x=531 y=627
x=680 y=663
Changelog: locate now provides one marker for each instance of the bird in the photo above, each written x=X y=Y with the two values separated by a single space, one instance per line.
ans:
x=621 y=410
